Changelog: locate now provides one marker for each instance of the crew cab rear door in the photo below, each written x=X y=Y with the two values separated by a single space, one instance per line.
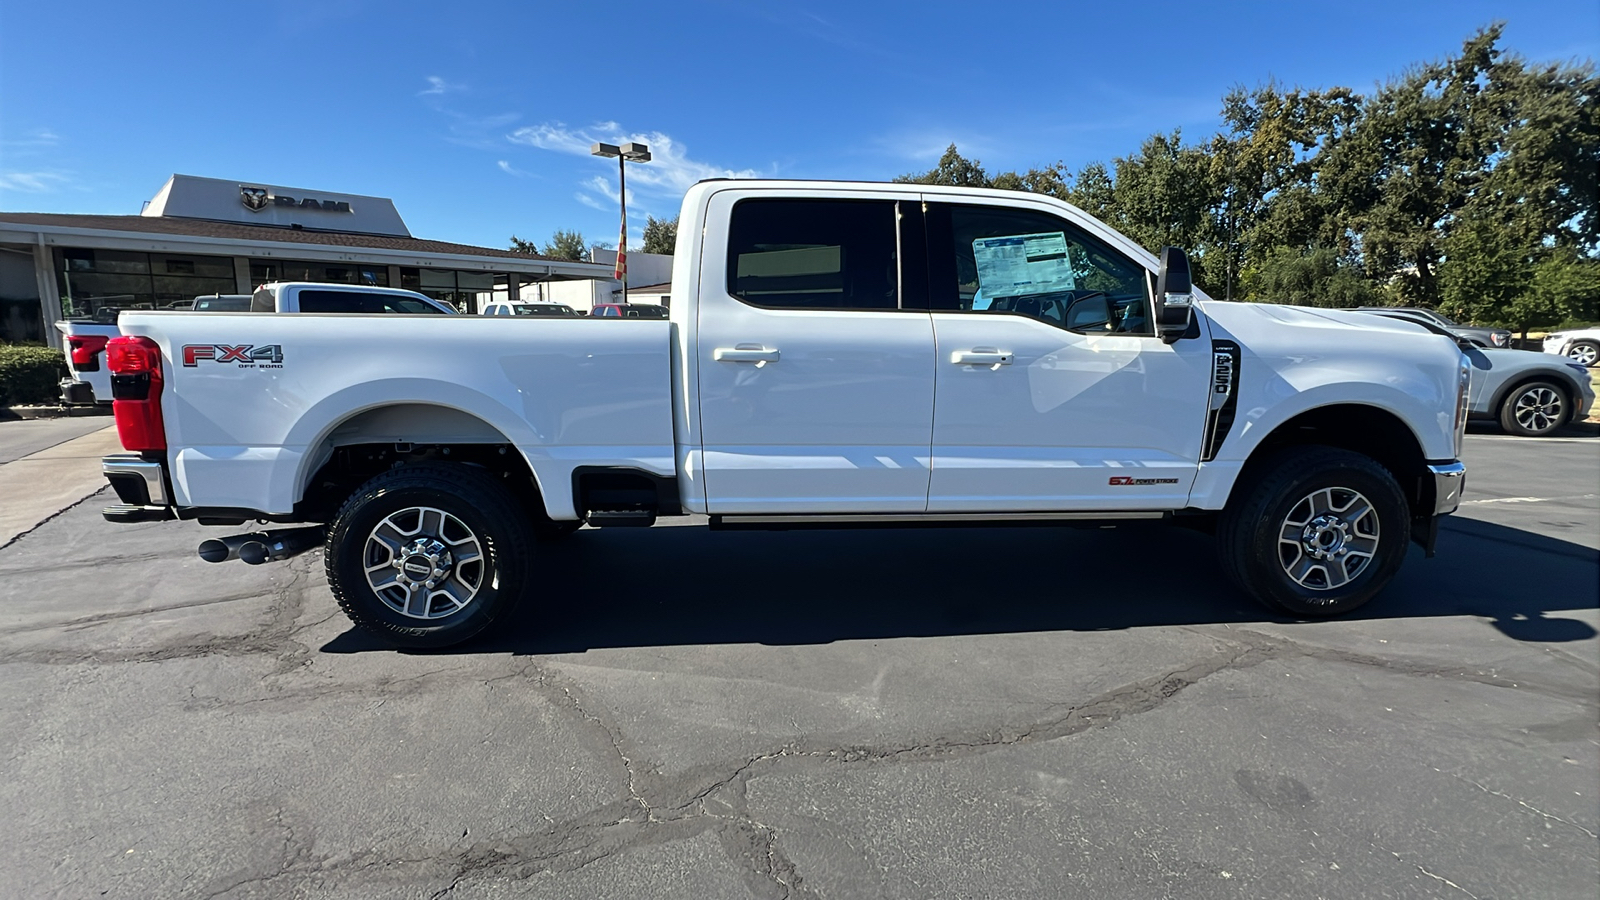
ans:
x=815 y=354
x=1053 y=392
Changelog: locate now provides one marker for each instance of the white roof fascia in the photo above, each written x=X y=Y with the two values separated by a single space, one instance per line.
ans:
x=57 y=235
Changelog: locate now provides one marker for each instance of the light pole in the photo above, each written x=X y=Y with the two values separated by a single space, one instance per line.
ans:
x=629 y=152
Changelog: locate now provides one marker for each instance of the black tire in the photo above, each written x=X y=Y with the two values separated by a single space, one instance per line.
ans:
x=1278 y=495
x=1585 y=352
x=1535 y=409
x=471 y=502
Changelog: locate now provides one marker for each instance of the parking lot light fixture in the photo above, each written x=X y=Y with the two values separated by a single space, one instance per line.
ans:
x=632 y=151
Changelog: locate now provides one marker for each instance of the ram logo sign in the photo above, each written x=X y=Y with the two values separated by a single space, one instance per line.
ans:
x=245 y=356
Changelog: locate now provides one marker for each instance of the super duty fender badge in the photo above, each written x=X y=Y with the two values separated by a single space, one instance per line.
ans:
x=1122 y=480
x=244 y=356
x=1224 y=404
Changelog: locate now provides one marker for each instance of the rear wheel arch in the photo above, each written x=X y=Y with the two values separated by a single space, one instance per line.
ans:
x=369 y=441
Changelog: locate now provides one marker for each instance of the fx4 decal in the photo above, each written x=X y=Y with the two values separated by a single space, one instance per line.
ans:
x=247 y=356
x=1123 y=479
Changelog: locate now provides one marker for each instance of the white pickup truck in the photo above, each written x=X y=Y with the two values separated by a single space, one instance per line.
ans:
x=838 y=355
x=85 y=338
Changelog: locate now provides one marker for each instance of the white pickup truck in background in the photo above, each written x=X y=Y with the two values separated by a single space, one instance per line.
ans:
x=88 y=381
x=837 y=355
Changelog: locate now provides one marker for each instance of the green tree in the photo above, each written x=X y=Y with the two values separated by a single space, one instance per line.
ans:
x=953 y=169
x=660 y=235
x=522 y=246
x=1317 y=277
x=1162 y=195
x=567 y=245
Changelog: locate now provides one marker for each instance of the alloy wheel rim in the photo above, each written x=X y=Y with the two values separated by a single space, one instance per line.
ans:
x=1584 y=355
x=423 y=563
x=1328 y=538
x=1538 y=409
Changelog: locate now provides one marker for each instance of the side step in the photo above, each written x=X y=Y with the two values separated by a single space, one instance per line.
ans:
x=124 y=514
x=620 y=518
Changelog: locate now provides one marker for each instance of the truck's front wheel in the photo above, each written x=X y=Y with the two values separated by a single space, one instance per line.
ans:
x=1318 y=532
x=428 y=555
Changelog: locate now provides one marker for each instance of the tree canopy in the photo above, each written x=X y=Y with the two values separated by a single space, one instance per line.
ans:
x=1470 y=184
x=660 y=235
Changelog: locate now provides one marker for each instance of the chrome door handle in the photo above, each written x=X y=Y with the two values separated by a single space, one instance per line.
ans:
x=746 y=353
x=982 y=356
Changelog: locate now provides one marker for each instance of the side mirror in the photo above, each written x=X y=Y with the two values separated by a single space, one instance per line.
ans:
x=1174 y=295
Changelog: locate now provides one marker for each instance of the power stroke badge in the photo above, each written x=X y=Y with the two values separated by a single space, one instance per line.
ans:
x=244 y=356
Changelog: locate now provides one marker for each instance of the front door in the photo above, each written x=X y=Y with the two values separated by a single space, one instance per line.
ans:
x=1053 y=392
x=815 y=379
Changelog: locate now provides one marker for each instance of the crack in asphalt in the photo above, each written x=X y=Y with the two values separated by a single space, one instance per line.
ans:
x=1525 y=805
x=659 y=809
x=53 y=516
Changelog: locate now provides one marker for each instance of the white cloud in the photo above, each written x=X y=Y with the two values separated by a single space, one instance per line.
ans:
x=670 y=171
x=588 y=201
x=437 y=85
x=32 y=182
x=509 y=169
x=602 y=185
x=38 y=137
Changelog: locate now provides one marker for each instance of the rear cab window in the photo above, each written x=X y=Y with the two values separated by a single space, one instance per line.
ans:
x=786 y=253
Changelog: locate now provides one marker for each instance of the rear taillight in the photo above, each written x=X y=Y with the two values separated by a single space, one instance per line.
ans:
x=135 y=364
x=1463 y=392
x=85 y=350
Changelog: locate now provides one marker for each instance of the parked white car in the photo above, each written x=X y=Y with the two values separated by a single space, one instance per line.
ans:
x=836 y=355
x=1582 y=346
x=527 y=308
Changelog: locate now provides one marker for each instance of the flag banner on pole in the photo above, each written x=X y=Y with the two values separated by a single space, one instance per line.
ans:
x=621 y=272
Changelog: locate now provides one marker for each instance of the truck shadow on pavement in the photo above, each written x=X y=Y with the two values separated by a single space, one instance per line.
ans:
x=689 y=585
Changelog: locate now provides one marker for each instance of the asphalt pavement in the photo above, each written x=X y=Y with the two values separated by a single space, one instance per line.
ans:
x=1031 y=712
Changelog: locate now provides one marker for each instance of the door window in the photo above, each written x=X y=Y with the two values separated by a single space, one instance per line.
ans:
x=995 y=259
x=313 y=301
x=814 y=254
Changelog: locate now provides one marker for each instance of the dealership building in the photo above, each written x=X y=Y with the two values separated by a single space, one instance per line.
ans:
x=214 y=236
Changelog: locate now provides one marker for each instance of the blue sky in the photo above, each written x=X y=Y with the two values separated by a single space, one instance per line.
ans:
x=476 y=117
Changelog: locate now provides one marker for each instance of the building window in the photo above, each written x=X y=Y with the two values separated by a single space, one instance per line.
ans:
x=91 y=281
x=264 y=271
x=466 y=291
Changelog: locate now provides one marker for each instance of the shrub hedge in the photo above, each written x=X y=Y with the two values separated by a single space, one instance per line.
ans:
x=30 y=374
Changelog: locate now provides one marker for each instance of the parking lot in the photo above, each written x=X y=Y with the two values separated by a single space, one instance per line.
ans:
x=1027 y=712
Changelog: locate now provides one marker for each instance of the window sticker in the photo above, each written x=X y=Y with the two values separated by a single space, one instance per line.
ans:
x=1022 y=264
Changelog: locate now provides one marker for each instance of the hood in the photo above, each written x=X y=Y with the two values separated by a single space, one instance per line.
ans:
x=1237 y=317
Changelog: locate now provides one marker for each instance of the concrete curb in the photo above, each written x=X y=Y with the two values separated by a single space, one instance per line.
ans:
x=12 y=413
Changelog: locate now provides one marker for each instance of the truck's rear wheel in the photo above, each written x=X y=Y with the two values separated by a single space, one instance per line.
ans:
x=428 y=555
x=1317 y=533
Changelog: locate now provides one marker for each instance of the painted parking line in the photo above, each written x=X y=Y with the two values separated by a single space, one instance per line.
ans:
x=1525 y=440
x=1532 y=499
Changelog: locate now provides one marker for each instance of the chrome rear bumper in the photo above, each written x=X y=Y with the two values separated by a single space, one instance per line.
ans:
x=141 y=485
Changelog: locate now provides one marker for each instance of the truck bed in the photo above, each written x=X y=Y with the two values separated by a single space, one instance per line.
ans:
x=256 y=403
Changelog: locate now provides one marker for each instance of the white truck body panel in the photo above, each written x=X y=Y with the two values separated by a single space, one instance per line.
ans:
x=859 y=411
x=564 y=392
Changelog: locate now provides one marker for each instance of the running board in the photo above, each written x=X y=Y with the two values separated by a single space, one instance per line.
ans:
x=620 y=518
x=922 y=520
